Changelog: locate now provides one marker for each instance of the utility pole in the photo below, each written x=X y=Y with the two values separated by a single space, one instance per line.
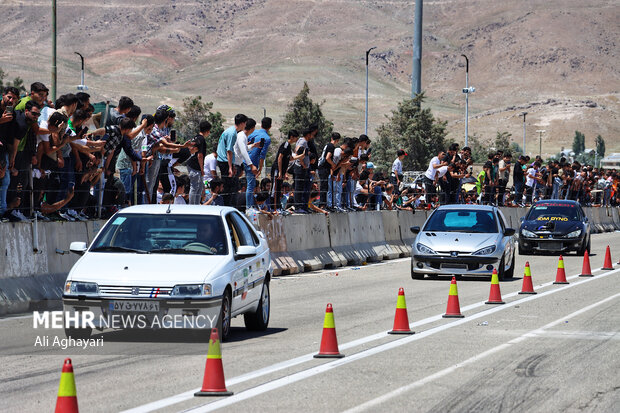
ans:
x=467 y=91
x=54 y=77
x=540 y=132
x=81 y=86
x=366 y=115
x=524 y=114
x=416 y=78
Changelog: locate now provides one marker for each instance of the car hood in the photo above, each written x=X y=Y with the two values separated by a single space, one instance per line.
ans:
x=559 y=227
x=162 y=270
x=456 y=241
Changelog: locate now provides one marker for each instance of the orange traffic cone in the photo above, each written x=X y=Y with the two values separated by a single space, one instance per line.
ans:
x=528 y=287
x=586 y=271
x=560 y=276
x=67 y=397
x=401 y=320
x=607 y=265
x=454 y=309
x=214 y=383
x=495 y=296
x=329 y=342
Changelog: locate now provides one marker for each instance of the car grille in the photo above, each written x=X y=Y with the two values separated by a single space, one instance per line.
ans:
x=134 y=292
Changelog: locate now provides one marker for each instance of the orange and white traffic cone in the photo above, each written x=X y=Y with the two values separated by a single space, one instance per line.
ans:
x=454 y=309
x=214 y=383
x=560 y=276
x=528 y=287
x=607 y=265
x=495 y=296
x=401 y=320
x=586 y=271
x=329 y=341
x=67 y=396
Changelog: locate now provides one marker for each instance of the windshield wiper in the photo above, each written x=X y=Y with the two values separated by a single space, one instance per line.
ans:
x=118 y=249
x=179 y=251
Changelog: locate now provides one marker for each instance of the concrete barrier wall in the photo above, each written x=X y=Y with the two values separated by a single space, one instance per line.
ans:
x=34 y=262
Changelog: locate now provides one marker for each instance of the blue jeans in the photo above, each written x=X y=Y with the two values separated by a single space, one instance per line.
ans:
x=334 y=192
x=67 y=178
x=125 y=174
x=4 y=183
x=251 y=182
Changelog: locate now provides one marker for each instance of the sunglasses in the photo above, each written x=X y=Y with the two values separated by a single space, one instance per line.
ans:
x=35 y=113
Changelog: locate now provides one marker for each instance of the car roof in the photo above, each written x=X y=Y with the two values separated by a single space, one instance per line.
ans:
x=177 y=209
x=556 y=201
x=469 y=206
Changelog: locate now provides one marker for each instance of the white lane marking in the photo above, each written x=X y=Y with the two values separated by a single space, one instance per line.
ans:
x=304 y=374
x=531 y=334
x=582 y=335
x=169 y=401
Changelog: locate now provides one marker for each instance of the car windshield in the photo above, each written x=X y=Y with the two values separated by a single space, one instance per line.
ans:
x=553 y=212
x=163 y=234
x=462 y=220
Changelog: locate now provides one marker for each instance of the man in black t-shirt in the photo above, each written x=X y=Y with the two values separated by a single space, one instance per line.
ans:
x=518 y=178
x=280 y=166
x=195 y=164
x=325 y=165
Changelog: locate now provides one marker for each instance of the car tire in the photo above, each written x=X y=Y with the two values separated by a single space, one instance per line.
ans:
x=584 y=248
x=511 y=271
x=415 y=275
x=501 y=274
x=523 y=251
x=223 y=324
x=79 y=333
x=259 y=320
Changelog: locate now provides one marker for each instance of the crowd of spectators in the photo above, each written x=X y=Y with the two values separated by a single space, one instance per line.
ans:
x=61 y=161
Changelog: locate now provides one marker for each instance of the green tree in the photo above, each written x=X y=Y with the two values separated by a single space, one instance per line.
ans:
x=194 y=111
x=303 y=112
x=479 y=151
x=502 y=141
x=17 y=82
x=600 y=146
x=579 y=143
x=413 y=129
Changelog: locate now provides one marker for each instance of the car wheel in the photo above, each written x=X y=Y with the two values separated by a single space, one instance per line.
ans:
x=523 y=251
x=415 y=275
x=259 y=320
x=78 y=333
x=501 y=274
x=585 y=247
x=223 y=324
x=511 y=271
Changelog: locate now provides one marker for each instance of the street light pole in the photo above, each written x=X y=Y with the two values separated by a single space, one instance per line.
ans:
x=81 y=86
x=540 y=132
x=466 y=100
x=416 y=74
x=366 y=116
x=524 y=114
x=54 y=70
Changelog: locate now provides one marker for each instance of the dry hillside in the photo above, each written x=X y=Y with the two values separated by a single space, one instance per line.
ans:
x=556 y=59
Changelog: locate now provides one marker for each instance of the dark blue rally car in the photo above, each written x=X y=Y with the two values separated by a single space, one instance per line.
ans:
x=554 y=226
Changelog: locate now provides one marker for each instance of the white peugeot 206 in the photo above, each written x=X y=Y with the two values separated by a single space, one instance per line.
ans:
x=170 y=266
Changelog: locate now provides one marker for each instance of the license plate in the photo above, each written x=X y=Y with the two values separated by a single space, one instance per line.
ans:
x=135 y=306
x=551 y=246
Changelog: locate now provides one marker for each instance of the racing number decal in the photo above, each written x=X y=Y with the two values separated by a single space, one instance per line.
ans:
x=244 y=294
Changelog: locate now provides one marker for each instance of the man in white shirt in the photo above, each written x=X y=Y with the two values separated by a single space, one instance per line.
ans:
x=210 y=168
x=430 y=176
x=397 y=169
x=243 y=157
x=531 y=177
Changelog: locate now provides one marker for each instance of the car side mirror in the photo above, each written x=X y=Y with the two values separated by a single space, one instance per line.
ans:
x=415 y=230
x=78 y=248
x=509 y=232
x=245 y=251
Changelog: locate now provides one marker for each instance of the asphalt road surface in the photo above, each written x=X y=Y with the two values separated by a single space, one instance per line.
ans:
x=557 y=351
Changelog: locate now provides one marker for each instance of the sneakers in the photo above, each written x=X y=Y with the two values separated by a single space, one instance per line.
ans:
x=40 y=216
x=17 y=216
x=65 y=216
x=73 y=214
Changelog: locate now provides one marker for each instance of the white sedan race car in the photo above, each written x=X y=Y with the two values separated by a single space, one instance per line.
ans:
x=170 y=266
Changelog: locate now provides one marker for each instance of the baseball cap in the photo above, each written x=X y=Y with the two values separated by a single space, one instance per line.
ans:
x=370 y=165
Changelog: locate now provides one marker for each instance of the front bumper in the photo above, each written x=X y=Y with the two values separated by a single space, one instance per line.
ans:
x=172 y=313
x=551 y=244
x=460 y=265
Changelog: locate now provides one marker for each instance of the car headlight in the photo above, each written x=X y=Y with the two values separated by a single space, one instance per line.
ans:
x=424 y=249
x=528 y=234
x=81 y=288
x=573 y=234
x=486 y=250
x=192 y=290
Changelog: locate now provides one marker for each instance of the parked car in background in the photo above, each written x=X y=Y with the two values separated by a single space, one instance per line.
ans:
x=464 y=240
x=554 y=226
